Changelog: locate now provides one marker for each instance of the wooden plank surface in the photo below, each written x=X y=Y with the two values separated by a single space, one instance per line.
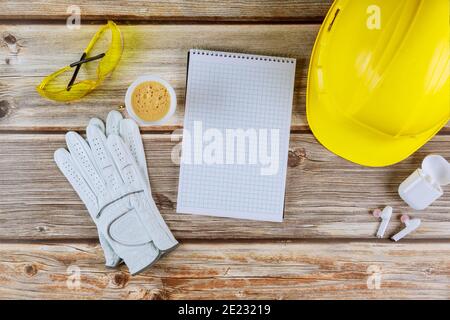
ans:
x=178 y=10
x=232 y=271
x=326 y=196
x=149 y=49
x=328 y=248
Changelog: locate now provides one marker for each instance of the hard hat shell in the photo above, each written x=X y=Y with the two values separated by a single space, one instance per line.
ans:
x=378 y=81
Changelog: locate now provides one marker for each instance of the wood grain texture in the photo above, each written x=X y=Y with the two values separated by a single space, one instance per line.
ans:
x=233 y=271
x=149 y=49
x=178 y=10
x=325 y=248
x=326 y=197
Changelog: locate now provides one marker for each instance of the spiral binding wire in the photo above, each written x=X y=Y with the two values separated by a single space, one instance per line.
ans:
x=241 y=56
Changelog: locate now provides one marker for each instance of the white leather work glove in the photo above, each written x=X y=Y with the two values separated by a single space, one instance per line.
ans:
x=128 y=130
x=106 y=176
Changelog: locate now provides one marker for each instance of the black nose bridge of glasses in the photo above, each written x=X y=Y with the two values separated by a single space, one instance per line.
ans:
x=78 y=64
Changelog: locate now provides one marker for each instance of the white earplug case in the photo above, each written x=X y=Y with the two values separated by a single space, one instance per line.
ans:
x=424 y=186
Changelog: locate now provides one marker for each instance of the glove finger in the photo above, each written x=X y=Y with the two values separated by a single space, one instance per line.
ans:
x=111 y=258
x=66 y=164
x=125 y=163
x=98 y=123
x=82 y=157
x=113 y=122
x=129 y=132
x=103 y=160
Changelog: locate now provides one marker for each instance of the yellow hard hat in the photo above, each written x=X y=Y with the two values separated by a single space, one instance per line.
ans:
x=378 y=81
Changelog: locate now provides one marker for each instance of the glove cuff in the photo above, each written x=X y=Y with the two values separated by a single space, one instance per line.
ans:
x=141 y=257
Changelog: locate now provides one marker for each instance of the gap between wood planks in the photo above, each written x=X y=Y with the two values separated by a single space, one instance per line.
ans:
x=53 y=130
x=100 y=22
x=341 y=241
x=165 y=11
x=163 y=131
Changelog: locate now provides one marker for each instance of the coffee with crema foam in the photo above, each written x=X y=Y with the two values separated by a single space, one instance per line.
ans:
x=150 y=101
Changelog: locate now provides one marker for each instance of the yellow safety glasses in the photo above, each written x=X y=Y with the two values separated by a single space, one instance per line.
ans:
x=104 y=52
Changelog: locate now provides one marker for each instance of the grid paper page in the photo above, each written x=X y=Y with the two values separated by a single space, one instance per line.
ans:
x=235 y=102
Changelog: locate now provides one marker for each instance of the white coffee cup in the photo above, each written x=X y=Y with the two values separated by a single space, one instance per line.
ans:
x=129 y=95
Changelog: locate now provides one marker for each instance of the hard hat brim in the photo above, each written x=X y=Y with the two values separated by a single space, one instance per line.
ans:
x=360 y=144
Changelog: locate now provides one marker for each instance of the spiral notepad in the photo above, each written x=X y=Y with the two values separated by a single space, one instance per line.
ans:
x=236 y=135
